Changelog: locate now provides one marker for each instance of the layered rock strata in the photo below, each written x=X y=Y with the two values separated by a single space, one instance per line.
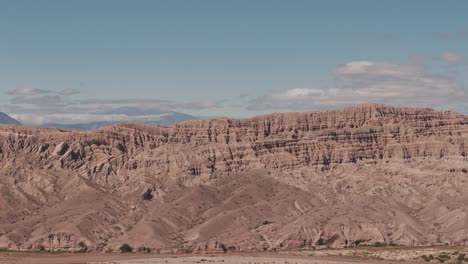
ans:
x=365 y=174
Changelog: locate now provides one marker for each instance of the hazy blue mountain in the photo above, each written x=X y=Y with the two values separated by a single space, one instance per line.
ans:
x=7 y=120
x=164 y=119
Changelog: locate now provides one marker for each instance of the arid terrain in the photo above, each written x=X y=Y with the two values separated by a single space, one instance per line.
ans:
x=369 y=255
x=365 y=175
x=144 y=258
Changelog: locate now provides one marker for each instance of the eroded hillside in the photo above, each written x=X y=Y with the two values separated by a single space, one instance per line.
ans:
x=370 y=173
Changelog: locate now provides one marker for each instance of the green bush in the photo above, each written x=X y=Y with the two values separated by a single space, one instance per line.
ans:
x=462 y=258
x=126 y=248
x=83 y=246
x=427 y=258
x=442 y=258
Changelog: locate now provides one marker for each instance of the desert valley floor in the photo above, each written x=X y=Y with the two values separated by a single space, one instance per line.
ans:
x=245 y=258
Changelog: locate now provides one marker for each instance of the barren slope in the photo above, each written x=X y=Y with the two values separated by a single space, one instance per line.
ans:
x=370 y=173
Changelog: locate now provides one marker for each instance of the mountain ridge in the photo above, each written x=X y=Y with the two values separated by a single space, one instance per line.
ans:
x=165 y=118
x=364 y=174
x=8 y=120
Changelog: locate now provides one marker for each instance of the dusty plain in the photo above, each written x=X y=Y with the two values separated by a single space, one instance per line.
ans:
x=230 y=258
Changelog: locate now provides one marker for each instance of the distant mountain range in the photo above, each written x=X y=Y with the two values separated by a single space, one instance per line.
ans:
x=8 y=120
x=163 y=119
x=166 y=118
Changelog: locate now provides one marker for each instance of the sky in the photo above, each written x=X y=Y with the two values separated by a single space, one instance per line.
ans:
x=82 y=61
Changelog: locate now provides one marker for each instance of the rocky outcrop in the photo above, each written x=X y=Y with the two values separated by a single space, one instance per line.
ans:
x=336 y=158
x=277 y=141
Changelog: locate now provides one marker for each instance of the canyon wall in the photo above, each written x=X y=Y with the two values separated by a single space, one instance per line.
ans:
x=364 y=174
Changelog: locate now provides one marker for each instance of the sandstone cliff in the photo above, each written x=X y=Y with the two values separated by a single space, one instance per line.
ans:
x=365 y=174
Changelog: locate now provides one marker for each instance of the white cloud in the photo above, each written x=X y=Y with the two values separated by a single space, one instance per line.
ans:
x=199 y=105
x=447 y=57
x=367 y=81
x=38 y=110
x=121 y=101
x=69 y=92
x=452 y=58
x=33 y=91
x=47 y=100
x=298 y=93
x=27 y=91
x=43 y=118
x=375 y=69
x=78 y=118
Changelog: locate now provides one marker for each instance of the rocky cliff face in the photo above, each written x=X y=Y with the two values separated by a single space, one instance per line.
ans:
x=370 y=173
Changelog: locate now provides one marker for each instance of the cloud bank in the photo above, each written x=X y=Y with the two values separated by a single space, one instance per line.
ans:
x=407 y=83
x=33 y=91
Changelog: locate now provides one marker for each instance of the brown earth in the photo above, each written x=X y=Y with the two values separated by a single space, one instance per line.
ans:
x=365 y=174
x=113 y=258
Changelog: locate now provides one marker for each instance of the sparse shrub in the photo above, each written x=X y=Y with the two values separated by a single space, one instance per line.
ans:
x=442 y=258
x=147 y=196
x=83 y=246
x=379 y=244
x=462 y=258
x=41 y=248
x=144 y=249
x=181 y=244
x=126 y=248
x=427 y=258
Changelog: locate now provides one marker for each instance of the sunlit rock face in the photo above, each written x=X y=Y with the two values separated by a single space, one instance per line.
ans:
x=365 y=174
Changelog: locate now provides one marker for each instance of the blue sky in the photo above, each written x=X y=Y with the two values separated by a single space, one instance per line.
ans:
x=68 y=61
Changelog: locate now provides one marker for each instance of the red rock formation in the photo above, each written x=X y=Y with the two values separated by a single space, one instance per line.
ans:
x=358 y=175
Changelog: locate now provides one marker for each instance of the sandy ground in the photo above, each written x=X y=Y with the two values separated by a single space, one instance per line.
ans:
x=245 y=260
x=95 y=258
